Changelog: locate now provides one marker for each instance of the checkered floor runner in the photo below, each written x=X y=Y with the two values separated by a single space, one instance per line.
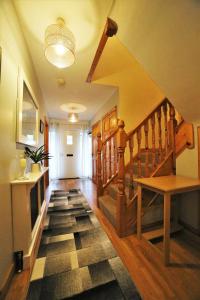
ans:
x=76 y=260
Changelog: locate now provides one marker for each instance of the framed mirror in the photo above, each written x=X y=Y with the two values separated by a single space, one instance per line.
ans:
x=27 y=113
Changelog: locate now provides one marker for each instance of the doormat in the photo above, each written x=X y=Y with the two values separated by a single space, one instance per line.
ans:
x=76 y=259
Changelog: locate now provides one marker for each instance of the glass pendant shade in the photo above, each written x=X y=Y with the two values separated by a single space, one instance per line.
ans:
x=59 y=45
x=73 y=117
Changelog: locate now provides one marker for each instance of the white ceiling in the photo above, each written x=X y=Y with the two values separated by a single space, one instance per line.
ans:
x=86 y=19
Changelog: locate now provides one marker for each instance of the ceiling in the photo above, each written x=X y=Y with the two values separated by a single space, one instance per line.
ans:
x=86 y=19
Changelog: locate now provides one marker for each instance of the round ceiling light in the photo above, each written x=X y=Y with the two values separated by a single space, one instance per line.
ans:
x=73 y=107
x=59 y=45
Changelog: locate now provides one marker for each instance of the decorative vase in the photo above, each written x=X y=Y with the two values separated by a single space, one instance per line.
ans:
x=35 y=168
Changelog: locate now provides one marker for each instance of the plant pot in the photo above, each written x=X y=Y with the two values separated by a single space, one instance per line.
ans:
x=36 y=168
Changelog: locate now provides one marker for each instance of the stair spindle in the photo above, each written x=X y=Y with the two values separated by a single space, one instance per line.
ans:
x=153 y=142
x=139 y=137
x=159 y=134
x=104 y=164
x=166 y=127
x=172 y=128
x=109 y=161
x=146 y=132
x=131 y=145
x=99 y=170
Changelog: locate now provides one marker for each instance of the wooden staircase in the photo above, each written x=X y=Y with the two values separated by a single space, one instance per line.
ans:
x=148 y=150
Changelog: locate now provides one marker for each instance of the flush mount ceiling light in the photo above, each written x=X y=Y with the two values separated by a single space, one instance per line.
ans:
x=73 y=107
x=73 y=117
x=59 y=44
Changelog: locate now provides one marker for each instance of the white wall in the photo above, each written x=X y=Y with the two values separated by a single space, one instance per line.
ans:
x=14 y=54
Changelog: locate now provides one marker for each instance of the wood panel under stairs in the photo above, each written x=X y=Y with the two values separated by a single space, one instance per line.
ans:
x=117 y=191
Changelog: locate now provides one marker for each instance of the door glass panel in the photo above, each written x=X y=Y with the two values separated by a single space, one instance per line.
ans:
x=69 y=140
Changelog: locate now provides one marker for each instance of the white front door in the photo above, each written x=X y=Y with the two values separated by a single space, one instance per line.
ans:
x=70 y=155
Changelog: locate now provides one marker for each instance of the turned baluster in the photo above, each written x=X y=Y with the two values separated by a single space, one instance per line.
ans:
x=104 y=164
x=166 y=127
x=159 y=134
x=109 y=161
x=153 y=142
x=146 y=132
x=172 y=128
x=139 y=152
x=99 y=167
x=131 y=145
x=115 y=153
x=121 y=197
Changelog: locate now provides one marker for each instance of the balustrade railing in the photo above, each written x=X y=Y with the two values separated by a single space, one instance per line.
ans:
x=109 y=158
x=149 y=144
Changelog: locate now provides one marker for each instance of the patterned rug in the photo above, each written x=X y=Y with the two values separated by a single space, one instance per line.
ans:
x=76 y=260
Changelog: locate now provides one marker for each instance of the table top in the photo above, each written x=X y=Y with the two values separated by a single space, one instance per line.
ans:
x=31 y=177
x=172 y=183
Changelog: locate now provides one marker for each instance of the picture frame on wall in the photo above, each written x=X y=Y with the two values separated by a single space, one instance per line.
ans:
x=27 y=113
x=41 y=127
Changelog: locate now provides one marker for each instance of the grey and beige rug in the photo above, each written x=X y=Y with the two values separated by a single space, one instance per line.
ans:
x=76 y=260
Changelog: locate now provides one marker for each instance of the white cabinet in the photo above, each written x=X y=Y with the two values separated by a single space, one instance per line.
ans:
x=28 y=210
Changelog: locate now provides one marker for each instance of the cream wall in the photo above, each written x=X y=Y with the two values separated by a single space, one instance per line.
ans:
x=138 y=94
x=14 y=54
x=187 y=165
x=112 y=102
x=164 y=37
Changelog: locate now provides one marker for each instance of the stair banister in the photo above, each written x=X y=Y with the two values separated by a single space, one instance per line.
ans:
x=99 y=167
x=121 y=197
x=172 y=131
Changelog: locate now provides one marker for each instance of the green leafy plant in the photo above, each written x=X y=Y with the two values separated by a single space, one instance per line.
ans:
x=37 y=155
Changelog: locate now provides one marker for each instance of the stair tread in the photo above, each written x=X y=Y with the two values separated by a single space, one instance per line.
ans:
x=108 y=201
x=108 y=206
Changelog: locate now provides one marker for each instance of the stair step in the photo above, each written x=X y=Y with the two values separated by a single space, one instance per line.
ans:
x=153 y=234
x=108 y=206
x=113 y=190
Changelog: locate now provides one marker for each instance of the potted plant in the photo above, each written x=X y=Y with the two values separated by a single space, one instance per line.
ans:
x=37 y=156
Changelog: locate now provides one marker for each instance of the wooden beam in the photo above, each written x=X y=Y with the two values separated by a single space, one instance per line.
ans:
x=110 y=29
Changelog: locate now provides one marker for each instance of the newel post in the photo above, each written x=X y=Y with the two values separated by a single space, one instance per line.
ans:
x=121 y=196
x=172 y=132
x=99 y=168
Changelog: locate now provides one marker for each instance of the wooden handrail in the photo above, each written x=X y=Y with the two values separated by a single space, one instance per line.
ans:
x=110 y=180
x=130 y=133
x=110 y=136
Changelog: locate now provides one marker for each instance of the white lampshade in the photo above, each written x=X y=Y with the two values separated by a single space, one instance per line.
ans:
x=59 y=45
x=73 y=117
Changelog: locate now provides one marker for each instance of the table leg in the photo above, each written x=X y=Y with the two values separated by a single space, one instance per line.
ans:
x=139 y=212
x=167 y=203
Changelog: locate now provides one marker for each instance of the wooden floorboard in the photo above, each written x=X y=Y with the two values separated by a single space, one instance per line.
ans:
x=144 y=261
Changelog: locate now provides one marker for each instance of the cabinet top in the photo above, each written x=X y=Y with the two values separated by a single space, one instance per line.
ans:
x=31 y=177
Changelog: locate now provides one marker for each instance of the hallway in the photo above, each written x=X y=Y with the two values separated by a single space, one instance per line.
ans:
x=143 y=261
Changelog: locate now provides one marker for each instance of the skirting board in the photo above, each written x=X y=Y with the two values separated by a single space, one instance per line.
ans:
x=190 y=228
x=28 y=259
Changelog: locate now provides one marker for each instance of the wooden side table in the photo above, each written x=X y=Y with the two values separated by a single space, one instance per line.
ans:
x=167 y=186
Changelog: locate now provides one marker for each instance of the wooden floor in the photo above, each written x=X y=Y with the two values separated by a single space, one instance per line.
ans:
x=181 y=280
